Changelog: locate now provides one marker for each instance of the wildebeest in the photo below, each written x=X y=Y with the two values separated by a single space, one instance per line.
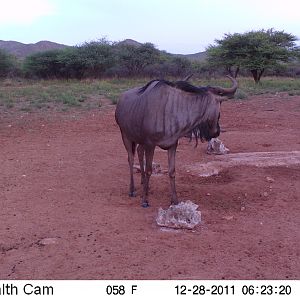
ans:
x=160 y=113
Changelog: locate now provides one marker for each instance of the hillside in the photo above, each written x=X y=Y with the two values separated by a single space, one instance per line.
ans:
x=21 y=50
x=130 y=42
x=200 y=56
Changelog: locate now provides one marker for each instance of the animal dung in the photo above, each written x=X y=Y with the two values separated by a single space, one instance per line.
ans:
x=181 y=216
x=215 y=146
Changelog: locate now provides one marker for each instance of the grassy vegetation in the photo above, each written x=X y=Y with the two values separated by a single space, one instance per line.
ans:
x=30 y=95
x=62 y=95
x=268 y=85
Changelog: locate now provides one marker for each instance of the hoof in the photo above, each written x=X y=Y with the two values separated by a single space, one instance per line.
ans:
x=132 y=194
x=145 y=204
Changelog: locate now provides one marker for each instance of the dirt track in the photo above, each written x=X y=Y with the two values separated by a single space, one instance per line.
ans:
x=65 y=213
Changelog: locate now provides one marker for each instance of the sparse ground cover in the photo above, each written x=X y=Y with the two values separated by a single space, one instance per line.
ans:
x=62 y=95
x=271 y=85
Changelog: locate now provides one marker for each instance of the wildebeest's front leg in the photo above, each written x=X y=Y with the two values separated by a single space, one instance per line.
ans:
x=141 y=152
x=171 y=161
x=130 y=147
x=149 y=153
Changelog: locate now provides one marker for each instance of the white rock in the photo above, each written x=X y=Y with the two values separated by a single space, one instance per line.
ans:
x=215 y=146
x=182 y=215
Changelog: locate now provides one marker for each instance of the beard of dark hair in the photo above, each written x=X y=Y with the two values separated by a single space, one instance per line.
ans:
x=201 y=131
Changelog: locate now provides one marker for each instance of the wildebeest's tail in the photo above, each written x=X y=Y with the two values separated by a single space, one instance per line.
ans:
x=224 y=91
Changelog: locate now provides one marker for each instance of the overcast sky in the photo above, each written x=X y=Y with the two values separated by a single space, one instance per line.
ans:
x=177 y=26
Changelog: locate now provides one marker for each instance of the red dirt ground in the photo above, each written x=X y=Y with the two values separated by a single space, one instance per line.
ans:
x=64 y=176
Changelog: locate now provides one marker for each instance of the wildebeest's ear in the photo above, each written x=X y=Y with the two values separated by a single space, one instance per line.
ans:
x=226 y=98
x=220 y=100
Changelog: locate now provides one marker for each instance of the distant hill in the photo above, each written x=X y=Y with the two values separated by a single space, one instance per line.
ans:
x=200 y=56
x=130 y=42
x=21 y=50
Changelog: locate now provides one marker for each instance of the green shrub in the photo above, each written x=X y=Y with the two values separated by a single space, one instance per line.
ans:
x=240 y=94
x=8 y=64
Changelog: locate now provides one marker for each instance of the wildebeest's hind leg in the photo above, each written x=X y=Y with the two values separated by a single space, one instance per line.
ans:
x=130 y=147
x=149 y=153
x=171 y=162
x=141 y=152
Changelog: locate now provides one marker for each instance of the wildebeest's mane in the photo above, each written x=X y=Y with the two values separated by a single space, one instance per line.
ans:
x=187 y=87
x=182 y=85
x=145 y=87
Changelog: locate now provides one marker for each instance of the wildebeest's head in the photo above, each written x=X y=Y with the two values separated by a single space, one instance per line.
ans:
x=210 y=128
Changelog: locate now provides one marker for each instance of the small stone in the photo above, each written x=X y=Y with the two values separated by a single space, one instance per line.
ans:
x=156 y=168
x=208 y=194
x=270 y=179
x=228 y=218
x=265 y=194
x=48 y=241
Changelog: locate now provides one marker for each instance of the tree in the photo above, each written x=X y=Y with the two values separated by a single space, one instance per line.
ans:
x=97 y=57
x=43 y=64
x=88 y=60
x=134 y=59
x=71 y=65
x=254 y=51
x=7 y=63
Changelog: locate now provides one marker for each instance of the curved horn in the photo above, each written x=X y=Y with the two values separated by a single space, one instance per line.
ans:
x=224 y=91
x=187 y=77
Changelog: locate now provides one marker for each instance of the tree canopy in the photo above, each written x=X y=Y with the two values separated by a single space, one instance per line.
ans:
x=254 y=51
x=7 y=63
x=102 y=58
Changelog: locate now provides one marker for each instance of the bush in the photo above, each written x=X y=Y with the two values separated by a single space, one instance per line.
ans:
x=133 y=60
x=8 y=64
x=240 y=94
x=43 y=64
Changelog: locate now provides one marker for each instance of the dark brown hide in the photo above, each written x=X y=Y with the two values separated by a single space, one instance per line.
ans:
x=160 y=113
